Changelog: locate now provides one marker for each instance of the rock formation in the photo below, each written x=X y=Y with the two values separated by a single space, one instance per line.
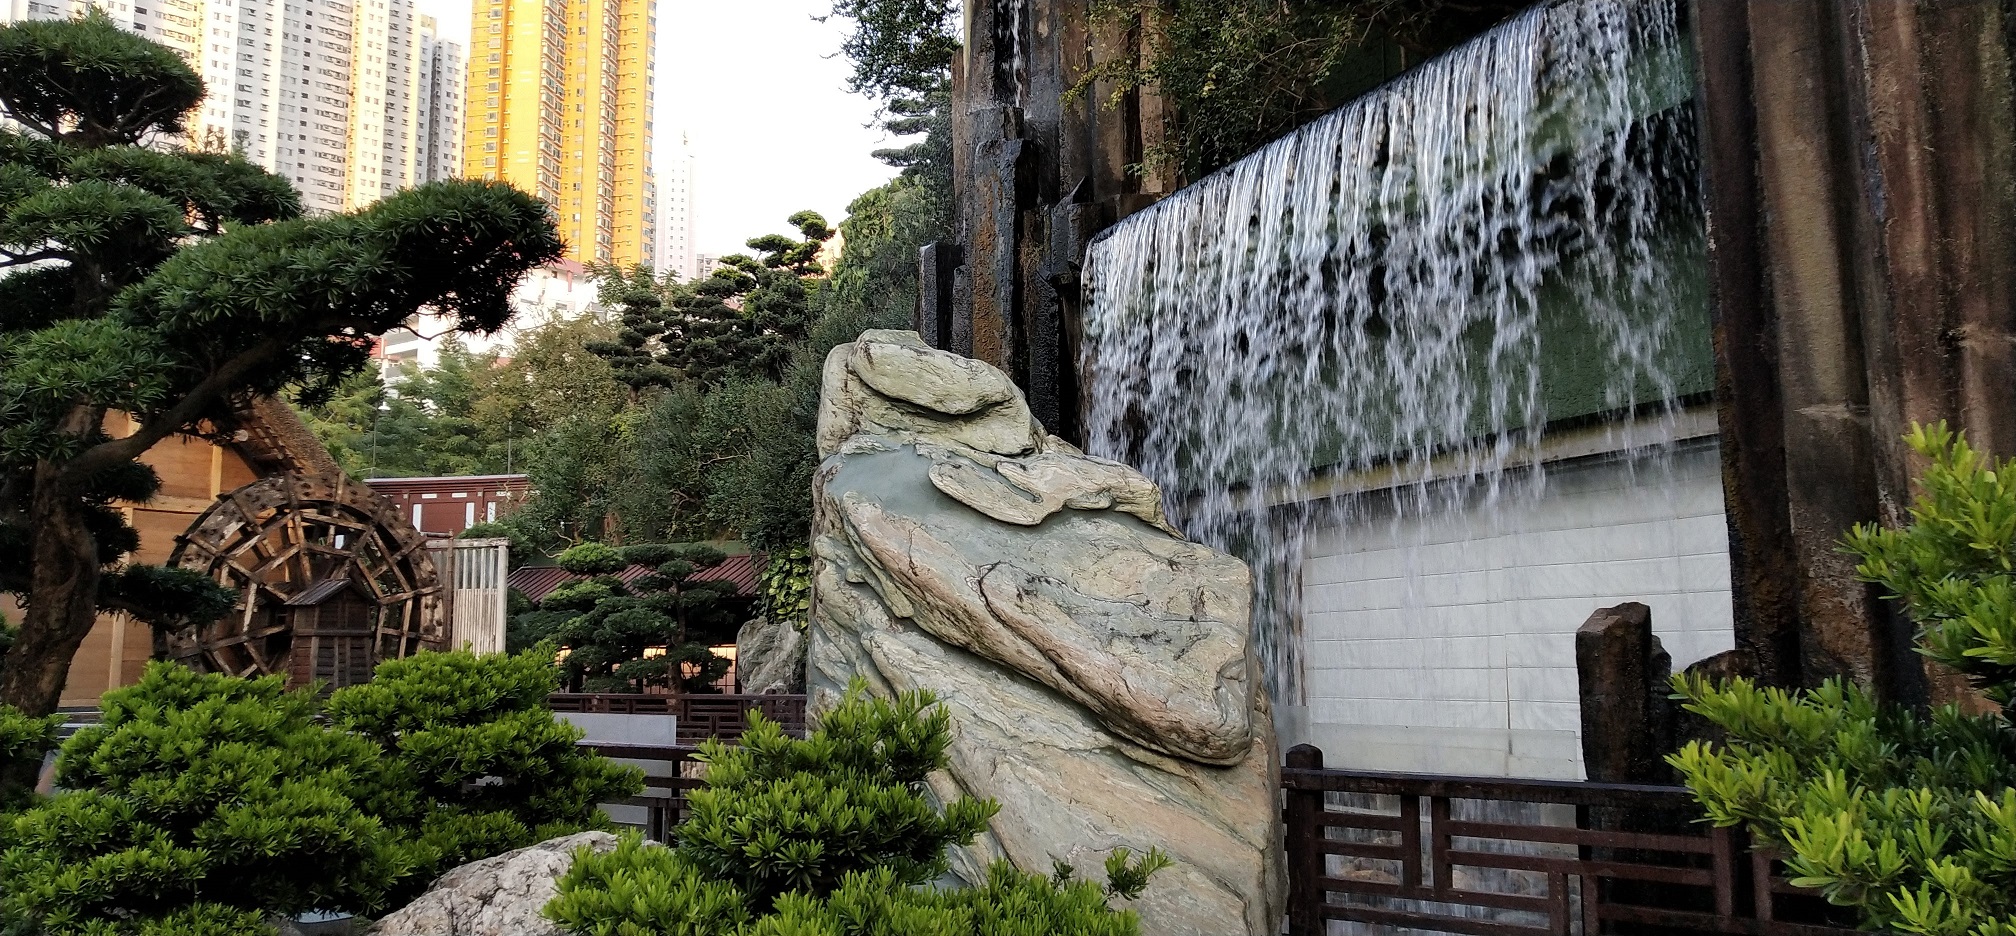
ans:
x=770 y=656
x=499 y=896
x=1097 y=666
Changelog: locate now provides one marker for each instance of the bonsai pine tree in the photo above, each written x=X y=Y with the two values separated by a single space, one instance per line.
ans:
x=167 y=285
x=1909 y=819
x=742 y=322
x=475 y=763
x=833 y=834
x=200 y=804
x=650 y=632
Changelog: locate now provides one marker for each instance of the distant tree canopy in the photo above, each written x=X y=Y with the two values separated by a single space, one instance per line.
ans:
x=1242 y=72
x=740 y=323
x=472 y=413
x=170 y=285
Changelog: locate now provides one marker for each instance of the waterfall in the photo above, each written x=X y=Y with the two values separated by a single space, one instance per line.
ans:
x=1391 y=289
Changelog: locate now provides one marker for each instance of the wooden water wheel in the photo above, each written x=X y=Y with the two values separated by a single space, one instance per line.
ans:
x=331 y=581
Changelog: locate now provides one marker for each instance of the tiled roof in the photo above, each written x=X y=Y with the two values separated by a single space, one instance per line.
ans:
x=536 y=582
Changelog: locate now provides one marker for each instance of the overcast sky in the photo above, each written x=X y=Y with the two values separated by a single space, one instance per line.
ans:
x=755 y=86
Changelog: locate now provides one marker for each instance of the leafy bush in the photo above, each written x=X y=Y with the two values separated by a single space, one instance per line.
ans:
x=475 y=763
x=200 y=804
x=206 y=804
x=1911 y=820
x=24 y=741
x=832 y=835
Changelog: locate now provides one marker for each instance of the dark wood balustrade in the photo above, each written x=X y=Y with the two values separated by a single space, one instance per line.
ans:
x=1424 y=852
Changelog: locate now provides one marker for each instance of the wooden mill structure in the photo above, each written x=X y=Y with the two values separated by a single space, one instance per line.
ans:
x=266 y=465
x=331 y=580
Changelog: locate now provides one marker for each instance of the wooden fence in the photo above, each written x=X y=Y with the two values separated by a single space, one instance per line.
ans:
x=1470 y=856
x=671 y=771
x=700 y=716
x=1496 y=857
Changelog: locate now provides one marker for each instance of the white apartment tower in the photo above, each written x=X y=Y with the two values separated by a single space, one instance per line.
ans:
x=329 y=94
x=676 y=244
x=443 y=79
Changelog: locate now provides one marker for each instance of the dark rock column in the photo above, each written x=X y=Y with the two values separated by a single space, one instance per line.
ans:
x=1861 y=222
x=1627 y=724
x=1036 y=173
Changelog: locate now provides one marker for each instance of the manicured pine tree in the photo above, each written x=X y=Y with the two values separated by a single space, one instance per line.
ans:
x=168 y=284
x=740 y=323
x=651 y=632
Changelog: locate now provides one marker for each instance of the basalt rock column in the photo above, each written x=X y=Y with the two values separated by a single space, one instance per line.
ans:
x=1098 y=666
x=1862 y=237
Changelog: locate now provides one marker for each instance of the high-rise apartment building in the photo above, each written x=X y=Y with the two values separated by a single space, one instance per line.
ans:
x=676 y=244
x=559 y=104
x=329 y=94
x=444 y=73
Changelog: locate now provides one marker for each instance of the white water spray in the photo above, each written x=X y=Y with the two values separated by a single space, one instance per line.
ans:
x=1378 y=291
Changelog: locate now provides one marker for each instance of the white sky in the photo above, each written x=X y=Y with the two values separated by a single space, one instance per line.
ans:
x=757 y=88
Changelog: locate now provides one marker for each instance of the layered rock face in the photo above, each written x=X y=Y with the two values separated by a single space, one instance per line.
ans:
x=1097 y=666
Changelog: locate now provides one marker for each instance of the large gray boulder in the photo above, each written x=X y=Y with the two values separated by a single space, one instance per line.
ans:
x=499 y=896
x=1098 y=666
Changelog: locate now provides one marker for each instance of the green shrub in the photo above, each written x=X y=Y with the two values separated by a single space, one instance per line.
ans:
x=591 y=559
x=24 y=741
x=832 y=836
x=474 y=762
x=1907 y=818
x=200 y=804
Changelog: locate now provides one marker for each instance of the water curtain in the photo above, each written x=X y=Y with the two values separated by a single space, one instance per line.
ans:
x=1389 y=288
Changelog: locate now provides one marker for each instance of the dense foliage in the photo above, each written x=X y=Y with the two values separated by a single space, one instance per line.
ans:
x=1907 y=818
x=24 y=741
x=202 y=803
x=651 y=632
x=471 y=413
x=1241 y=72
x=741 y=323
x=832 y=835
x=169 y=284
x=475 y=763
x=206 y=804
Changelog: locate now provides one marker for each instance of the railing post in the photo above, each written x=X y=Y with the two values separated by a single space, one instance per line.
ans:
x=1303 y=819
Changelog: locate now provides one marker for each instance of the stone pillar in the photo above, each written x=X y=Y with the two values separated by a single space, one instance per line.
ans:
x=1627 y=724
x=937 y=274
x=1861 y=229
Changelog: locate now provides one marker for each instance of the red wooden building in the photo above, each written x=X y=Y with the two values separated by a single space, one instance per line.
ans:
x=447 y=506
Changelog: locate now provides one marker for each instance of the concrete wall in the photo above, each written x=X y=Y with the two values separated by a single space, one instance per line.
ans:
x=1448 y=645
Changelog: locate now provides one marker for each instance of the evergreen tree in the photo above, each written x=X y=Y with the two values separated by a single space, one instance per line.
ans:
x=201 y=803
x=168 y=284
x=833 y=834
x=741 y=322
x=652 y=632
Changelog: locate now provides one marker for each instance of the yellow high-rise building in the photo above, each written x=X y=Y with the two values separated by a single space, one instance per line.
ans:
x=559 y=103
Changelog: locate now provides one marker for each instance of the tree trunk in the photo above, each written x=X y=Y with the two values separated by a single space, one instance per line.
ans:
x=63 y=598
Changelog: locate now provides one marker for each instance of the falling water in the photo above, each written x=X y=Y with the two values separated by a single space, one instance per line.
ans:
x=1378 y=291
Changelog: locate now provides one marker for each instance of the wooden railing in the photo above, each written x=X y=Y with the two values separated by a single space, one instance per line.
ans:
x=671 y=771
x=701 y=716
x=1424 y=852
